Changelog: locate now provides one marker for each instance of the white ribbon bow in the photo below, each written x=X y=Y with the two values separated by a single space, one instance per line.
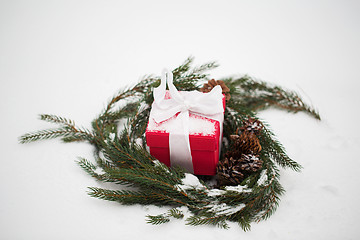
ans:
x=208 y=105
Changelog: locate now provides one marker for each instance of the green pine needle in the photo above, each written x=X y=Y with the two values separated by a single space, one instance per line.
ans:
x=156 y=220
x=176 y=213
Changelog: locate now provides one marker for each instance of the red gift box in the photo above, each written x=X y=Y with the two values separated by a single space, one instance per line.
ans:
x=204 y=142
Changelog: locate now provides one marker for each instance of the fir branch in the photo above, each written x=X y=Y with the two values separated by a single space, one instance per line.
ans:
x=219 y=221
x=183 y=68
x=147 y=179
x=68 y=131
x=244 y=223
x=140 y=90
x=58 y=120
x=274 y=149
x=205 y=67
x=176 y=213
x=259 y=95
x=90 y=169
x=165 y=218
x=158 y=219
x=129 y=197
x=126 y=197
x=45 y=134
x=121 y=113
x=138 y=123
x=187 y=78
x=86 y=165
x=67 y=135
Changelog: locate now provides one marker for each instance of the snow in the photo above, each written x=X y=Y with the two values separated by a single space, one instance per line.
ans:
x=263 y=178
x=238 y=189
x=139 y=141
x=70 y=57
x=224 y=209
x=215 y=192
x=190 y=182
x=157 y=163
x=197 y=125
x=112 y=136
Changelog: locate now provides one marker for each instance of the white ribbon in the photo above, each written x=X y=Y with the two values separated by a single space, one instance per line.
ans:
x=208 y=105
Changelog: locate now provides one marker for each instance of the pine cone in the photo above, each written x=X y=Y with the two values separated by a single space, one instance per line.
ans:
x=250 y=163
x=212 y=83
x=229 y=172
x=252 y=125
x=246 y=143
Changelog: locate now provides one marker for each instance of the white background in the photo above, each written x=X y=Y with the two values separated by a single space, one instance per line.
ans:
x=69 y=57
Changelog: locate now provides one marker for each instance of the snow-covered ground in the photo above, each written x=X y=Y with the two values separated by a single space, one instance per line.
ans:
x=69 y=57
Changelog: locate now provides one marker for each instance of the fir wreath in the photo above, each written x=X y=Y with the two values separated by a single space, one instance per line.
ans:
x=122 y=158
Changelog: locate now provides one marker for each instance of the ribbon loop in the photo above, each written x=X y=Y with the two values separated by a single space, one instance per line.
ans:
x=204 y=104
